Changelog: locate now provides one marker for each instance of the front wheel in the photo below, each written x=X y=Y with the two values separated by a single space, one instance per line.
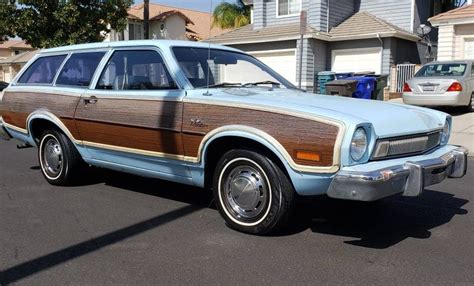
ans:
x=252 y=193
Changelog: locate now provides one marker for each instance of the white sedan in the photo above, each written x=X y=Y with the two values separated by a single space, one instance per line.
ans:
x=442 y=84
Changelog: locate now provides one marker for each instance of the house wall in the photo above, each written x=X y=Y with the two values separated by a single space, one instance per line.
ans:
x=339 y=11
x=5 y=53
x=461 y=32
x=450 y=41
x=397 y=12
x=175 y=29
x=265 y=13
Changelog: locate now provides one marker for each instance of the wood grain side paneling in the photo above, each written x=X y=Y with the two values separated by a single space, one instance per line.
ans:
x=293 y=133
x=139 y=124
x=17 y=106
x=17 y=119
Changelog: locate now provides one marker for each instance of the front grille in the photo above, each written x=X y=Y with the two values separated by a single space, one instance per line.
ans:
x=408 y=145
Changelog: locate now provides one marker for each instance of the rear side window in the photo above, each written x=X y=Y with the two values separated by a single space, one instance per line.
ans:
x=43 y=70
x=79 y=69
x=136 y=70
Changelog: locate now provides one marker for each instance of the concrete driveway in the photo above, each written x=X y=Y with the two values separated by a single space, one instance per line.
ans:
x=463 y=127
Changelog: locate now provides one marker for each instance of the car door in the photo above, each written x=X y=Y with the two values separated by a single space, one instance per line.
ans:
x=131 y=118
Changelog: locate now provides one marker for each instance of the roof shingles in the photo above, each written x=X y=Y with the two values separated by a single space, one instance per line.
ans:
x=465 y=12
x=361 y=25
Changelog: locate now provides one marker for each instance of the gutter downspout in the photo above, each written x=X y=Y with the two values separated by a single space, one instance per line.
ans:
x=327 y=19
x=381 y=60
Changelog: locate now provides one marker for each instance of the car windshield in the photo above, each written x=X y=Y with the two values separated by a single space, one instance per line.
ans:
x=220 y=68
x=432 y=70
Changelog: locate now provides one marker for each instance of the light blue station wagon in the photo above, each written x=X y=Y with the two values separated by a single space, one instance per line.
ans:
x=217 y=118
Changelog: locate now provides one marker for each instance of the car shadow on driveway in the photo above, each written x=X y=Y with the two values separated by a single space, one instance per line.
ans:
x=380 y=224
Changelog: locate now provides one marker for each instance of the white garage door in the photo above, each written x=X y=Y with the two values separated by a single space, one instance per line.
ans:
x=469 y=49
x=356 y=60
x=283 y=62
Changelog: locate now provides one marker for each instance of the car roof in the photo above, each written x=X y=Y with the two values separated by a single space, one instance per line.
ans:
x=163 y=44
x=451 y=62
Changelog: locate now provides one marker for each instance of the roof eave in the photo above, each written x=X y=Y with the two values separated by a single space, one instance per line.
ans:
x=452 y=21
x=404 y=36
x=278 y=38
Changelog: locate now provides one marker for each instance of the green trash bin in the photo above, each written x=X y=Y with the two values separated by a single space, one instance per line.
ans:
x=323 y=78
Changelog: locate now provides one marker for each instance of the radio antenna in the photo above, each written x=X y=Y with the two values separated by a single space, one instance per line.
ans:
x=207 y=93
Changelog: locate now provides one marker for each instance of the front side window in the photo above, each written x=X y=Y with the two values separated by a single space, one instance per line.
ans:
x=288 y=7
x=43 y=70
x=79 y=69
x=435 y=70
x=135 y=70
x=219 y=67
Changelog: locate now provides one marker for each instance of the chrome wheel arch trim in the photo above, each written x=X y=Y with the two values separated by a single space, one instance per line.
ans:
x=268 y=141
x=46 y=115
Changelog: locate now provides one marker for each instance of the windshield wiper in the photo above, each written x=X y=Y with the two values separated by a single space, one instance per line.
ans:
x=224 y=84
x=262 y=82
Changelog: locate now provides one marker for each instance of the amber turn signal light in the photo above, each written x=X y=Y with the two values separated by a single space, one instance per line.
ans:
x=308 y=156
x=455 y=86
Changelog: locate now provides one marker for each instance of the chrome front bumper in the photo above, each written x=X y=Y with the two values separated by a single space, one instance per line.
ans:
x=3 y=132
x=410 y=178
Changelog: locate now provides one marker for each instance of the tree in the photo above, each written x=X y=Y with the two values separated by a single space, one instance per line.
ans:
x=231 y=15
x=51 y=23
x=7 y=11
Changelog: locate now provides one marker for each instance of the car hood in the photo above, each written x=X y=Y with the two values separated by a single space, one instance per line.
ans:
x=388 y=119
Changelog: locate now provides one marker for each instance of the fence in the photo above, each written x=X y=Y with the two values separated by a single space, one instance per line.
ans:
x=404 y=72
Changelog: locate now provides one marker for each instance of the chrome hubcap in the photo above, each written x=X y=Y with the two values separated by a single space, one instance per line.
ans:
x=245 y=191
x=52 y=157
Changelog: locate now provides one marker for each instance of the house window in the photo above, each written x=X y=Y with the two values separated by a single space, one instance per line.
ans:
x=288 y=7
x=135 y=31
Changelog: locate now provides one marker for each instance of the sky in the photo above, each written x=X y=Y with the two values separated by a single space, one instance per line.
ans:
x=201 y=5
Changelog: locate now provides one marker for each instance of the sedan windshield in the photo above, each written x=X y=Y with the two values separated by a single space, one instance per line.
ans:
x=220 y=68
x=433 y=70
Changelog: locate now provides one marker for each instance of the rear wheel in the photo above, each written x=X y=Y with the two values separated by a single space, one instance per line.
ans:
x=59 y=160
x=470 y=105
x=252 y=193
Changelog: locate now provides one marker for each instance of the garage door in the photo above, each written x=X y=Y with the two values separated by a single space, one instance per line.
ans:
x=469 y=49
x=356 y=60
x=283 y=62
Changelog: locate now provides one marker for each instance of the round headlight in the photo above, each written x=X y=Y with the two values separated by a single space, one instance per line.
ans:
x=359 y=144
x=445 y=133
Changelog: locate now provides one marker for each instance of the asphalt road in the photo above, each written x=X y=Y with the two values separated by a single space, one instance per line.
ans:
x=121 y=229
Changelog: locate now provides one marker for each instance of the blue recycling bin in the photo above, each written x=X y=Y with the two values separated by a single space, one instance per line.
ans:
x=343 y=75
x=323 y=78
x=365 y=86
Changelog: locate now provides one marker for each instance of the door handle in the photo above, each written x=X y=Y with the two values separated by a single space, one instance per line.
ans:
x=91 y=100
